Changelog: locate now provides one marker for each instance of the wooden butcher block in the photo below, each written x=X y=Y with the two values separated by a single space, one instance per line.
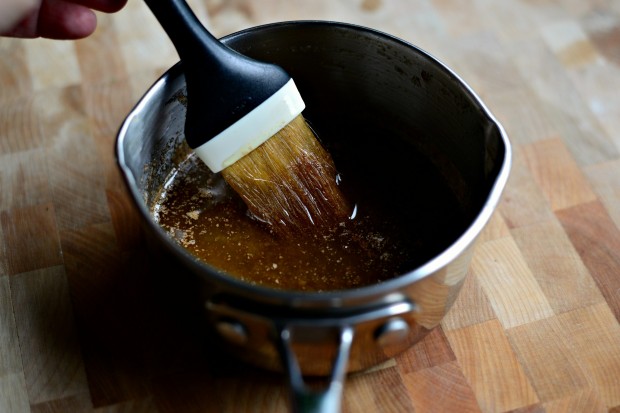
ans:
x=87 y=323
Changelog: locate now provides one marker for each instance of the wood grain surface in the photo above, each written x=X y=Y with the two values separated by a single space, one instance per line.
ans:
x=88 y=324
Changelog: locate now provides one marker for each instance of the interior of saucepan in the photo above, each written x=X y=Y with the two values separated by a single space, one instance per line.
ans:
x=415 y=118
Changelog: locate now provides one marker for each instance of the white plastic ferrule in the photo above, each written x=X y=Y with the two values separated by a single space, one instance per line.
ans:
x=253 y=129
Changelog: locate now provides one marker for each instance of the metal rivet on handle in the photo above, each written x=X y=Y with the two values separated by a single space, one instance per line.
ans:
x=233 y=331
x=394 y=331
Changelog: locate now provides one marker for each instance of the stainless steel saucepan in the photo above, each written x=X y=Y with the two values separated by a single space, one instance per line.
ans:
x=345 y=73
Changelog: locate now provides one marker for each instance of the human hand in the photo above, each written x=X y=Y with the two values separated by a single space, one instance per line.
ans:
x=54 y=19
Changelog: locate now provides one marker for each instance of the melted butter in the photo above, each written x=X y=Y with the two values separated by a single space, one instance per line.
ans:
x=404 y=214
x=199 y=211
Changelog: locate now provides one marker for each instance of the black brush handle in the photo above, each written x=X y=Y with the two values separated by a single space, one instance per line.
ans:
x=222 y=85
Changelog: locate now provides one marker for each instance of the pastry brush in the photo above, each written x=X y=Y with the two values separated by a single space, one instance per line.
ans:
x=244 y=120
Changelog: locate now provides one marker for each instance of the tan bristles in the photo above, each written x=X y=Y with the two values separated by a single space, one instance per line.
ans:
x=289 y=182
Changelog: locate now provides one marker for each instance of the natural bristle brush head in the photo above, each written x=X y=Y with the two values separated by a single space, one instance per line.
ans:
x=289 y=182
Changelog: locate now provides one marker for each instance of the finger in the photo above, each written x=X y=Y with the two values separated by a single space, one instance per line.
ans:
x=26 y=28
x=12 y=12
x=59 y=19
x=107 y=6
x=63 y=19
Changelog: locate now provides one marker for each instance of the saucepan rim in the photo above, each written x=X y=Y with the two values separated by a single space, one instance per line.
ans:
x=331 y=298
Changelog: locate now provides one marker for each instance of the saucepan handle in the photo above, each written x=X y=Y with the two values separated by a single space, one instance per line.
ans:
x=303 y=398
